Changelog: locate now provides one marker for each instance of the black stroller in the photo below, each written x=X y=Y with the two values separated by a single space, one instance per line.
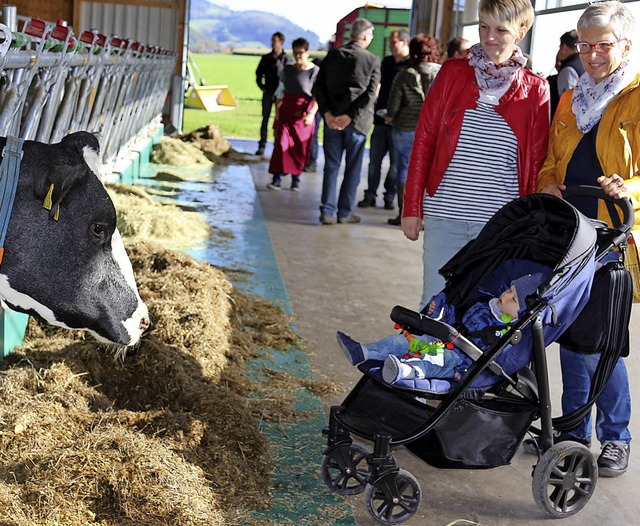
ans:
x=499 y=397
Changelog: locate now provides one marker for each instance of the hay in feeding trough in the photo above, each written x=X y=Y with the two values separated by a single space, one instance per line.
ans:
x=176 y=152
x=210 y=140
x=141 y=218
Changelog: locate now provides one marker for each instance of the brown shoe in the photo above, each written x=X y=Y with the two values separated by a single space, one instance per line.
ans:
x=328 y=220
x=350 y=219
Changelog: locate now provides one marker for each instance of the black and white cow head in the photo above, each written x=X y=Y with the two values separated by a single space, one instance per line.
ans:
x=68 y=265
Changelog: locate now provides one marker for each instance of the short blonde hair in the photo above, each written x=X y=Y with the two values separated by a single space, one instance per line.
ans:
x=515 y=14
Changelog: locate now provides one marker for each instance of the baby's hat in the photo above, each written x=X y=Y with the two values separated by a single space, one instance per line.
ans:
x=527 y=285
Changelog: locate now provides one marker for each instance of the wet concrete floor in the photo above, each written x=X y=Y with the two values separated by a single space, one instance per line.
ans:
x=348 y=277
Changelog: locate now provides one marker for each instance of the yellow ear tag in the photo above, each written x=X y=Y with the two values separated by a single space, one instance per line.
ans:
x=57 y=214
x=48 y=200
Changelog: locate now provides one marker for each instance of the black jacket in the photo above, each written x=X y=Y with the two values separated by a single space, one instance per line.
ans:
x=269 y=70
x=348 y=84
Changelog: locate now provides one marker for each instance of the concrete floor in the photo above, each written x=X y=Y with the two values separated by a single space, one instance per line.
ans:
x=348 y=277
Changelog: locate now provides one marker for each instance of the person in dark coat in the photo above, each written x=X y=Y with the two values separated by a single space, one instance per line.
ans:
x=267 y=78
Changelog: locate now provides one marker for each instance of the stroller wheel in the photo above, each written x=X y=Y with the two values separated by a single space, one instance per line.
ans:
x=564 y=479
x=394 y=499
x=345 y=469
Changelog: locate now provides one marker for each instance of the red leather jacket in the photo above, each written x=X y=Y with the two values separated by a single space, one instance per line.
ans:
x=525 y=108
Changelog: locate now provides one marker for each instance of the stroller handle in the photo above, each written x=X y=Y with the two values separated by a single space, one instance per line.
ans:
x=597 y=192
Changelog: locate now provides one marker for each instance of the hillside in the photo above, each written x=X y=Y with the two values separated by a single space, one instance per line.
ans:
x=214 y=27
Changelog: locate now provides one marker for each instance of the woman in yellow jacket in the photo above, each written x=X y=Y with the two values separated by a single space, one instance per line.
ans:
x=598 y=121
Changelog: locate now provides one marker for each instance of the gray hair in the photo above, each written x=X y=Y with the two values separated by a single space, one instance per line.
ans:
x=613 y=13
x=359 y=27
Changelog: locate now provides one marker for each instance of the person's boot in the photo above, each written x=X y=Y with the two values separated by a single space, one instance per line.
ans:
x=397 y=221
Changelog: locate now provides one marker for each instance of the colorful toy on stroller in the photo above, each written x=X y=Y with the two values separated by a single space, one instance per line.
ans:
x=482 y=419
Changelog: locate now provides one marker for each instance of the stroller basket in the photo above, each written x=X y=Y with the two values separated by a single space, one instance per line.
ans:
x=456 y=442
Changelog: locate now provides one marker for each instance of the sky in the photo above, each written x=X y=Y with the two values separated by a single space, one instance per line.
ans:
x=319 y=16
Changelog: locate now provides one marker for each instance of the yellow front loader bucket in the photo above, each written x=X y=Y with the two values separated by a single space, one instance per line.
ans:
x=210 y=98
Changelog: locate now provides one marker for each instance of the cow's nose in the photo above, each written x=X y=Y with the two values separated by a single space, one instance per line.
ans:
x=146 y=326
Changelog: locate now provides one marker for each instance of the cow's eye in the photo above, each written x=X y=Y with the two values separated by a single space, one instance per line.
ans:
x=100 y=231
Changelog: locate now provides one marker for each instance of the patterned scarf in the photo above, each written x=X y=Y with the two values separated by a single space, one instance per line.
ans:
x=493 y=76
x=590 y=99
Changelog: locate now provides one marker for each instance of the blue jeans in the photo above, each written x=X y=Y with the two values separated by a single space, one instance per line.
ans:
x=351 y=142
x=443 y=238
x=379 y=145
x=267 y=104
x=398 y=345
x=402 y=143
x=613 y=407
x=313 y=156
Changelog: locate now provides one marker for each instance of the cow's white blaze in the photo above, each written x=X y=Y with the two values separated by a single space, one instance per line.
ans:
x=140 y=317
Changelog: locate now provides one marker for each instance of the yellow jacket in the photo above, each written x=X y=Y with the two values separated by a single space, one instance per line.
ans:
x=617 y=143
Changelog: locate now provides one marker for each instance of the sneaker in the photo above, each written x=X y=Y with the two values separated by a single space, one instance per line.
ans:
x=350 y=219
x=260 y=151
x=388 y=205
x=367 y=202
x=295 y=184
x=351 y=348
x=328 y=220
x=274 y=185
x=614 y=459
x=394 y=370
x=533 y=445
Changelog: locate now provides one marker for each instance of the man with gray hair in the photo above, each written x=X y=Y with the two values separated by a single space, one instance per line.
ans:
x=346 y=89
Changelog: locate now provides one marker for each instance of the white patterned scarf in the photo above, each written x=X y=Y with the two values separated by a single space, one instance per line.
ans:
x=590 y=99
x=493 y=76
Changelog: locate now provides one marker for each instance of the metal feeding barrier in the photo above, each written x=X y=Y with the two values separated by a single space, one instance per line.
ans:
x=53 y=83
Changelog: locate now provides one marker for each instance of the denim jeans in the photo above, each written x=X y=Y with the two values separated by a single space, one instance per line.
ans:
x=351 y=142
x=613 y=407
x=402 y=143
x=443 y=238
x=267 y=104
x=313 y=156
x=379 y=145
x=398 y=345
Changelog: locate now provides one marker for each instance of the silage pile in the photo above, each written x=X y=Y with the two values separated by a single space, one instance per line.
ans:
x=169 y=436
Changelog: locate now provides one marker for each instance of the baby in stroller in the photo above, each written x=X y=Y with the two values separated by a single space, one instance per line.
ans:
x=424 y=362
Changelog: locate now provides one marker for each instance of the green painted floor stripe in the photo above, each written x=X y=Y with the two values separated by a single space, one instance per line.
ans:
x=299 y=496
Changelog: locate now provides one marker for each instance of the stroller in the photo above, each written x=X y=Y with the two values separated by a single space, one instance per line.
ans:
x=482 y=419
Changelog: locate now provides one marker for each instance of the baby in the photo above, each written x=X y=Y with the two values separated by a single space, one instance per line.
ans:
x=410 y=357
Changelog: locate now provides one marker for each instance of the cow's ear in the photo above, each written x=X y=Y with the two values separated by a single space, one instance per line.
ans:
x=53 y=188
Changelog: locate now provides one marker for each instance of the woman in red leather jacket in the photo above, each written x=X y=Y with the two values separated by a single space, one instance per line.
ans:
x=480 y=140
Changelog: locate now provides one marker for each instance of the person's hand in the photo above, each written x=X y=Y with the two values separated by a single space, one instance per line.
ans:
x=342 y=121
x=411 y=227
x=309 y=119
x=330 y=120
x=432 y=307
x=388 y=120
x=613 y=186
x=554 y=189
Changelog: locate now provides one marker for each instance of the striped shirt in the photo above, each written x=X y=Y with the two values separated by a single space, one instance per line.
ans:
x=483 y=173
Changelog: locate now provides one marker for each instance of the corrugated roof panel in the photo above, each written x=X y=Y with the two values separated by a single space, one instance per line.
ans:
x=150 y=25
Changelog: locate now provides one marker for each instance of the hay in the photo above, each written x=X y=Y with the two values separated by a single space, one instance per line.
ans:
x=141 y=218
x=176 y=152
x=210 y=140
x=171 y=435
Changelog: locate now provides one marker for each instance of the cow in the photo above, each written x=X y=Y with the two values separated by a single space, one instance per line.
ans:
x=64 y=260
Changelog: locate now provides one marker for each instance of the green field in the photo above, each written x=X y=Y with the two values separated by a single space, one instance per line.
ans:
x=238 y=72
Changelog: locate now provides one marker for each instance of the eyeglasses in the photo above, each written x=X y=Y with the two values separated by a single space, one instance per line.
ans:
x=298 y=53
x=600 y=47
